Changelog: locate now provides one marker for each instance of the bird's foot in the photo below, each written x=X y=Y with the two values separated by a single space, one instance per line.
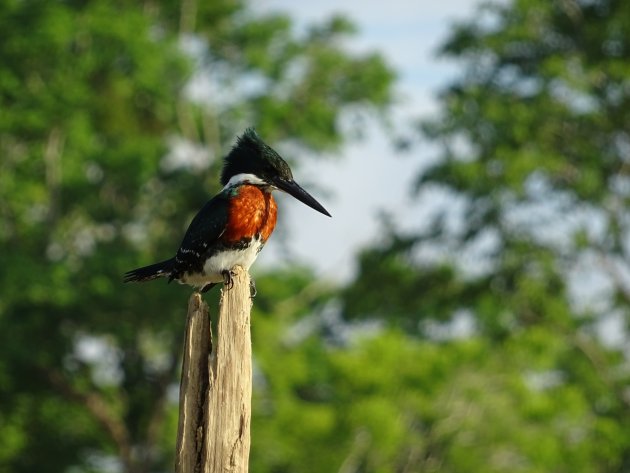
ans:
x=227 y=278
x=252 y=288
x=207 y=287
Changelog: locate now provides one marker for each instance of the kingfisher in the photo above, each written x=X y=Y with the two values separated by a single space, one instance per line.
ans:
x=233 y=226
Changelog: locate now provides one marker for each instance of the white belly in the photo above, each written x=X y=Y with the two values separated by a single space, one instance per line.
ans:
x=222 y=261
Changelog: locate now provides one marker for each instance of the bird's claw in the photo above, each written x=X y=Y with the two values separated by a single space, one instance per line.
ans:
x=206 y=288
x=228 y=280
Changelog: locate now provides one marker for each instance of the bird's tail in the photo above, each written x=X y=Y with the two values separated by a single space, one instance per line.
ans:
x=153 y=271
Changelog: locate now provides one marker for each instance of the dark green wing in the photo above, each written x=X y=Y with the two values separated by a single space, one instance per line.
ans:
x=202 y=236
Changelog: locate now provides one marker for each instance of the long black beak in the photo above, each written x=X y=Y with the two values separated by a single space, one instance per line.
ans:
x=293 y=188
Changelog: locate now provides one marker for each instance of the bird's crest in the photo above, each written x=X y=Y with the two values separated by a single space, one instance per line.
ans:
x=251 y=155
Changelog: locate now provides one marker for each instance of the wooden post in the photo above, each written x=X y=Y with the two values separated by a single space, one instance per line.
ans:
x=230 y=387
x=193 y=387
x=220 y=443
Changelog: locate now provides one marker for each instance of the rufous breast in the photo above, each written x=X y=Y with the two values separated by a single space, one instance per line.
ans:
x=252 y=211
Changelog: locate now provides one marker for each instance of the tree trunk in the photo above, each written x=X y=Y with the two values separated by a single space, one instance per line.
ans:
x=215 y=394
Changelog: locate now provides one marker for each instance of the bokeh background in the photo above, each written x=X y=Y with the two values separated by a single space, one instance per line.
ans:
x=470 y=315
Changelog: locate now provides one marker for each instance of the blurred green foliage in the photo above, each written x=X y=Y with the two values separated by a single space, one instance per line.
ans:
x=471 y=342
x=95 y=99
x=525 y=267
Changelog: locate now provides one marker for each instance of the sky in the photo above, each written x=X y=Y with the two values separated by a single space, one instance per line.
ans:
x=369 y=176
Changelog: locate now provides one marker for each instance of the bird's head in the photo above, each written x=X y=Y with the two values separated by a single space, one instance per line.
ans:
x=252 y=161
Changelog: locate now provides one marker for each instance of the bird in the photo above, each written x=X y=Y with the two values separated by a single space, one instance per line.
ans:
x=233 y=226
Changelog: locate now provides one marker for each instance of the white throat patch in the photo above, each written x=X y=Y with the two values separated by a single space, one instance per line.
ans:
x=239 y=179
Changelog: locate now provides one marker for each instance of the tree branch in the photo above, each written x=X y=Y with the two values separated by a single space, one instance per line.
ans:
x=101 y=411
